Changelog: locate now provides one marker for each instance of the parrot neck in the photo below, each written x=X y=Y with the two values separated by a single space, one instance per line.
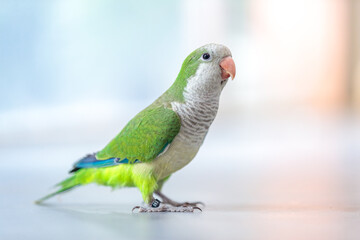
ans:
x=204 y=85
x=197 y=115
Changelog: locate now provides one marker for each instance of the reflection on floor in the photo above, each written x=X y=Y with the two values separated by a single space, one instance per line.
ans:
x=262 y=180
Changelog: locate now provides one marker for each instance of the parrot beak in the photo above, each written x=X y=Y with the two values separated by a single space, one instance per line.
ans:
x=227 y=66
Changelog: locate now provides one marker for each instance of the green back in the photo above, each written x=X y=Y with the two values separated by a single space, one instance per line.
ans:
x=144 y=137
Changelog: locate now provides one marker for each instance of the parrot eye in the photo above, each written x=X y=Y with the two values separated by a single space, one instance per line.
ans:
x=206 y=57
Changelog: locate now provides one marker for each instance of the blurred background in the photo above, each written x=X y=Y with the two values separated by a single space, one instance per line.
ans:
x=287 y=134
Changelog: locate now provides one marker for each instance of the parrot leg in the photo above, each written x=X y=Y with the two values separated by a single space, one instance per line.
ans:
x=167 y=200
x=157 y=206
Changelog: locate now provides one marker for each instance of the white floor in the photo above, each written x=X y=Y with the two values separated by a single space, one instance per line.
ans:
x=283 y=179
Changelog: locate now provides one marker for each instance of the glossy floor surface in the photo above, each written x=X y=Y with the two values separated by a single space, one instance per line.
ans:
x=262 y=180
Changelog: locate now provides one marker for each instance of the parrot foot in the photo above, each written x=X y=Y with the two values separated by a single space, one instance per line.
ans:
x=166 y=208
x=185 y=204
x=173 y=203
x=157 y=206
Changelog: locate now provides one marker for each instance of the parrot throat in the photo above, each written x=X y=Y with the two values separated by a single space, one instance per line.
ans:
x=200 y=106
x=197 y=115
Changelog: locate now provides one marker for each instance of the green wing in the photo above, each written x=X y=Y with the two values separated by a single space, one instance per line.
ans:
x=144 y=137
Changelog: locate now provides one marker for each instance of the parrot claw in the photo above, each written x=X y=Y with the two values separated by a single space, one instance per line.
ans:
x=197 y=208
x=136 y=207
x=192 y=204
x=167 y=208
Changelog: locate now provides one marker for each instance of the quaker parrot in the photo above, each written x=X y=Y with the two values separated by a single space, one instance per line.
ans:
x=162 y=138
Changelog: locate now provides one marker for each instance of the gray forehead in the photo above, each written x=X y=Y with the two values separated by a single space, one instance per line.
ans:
x=217 y=49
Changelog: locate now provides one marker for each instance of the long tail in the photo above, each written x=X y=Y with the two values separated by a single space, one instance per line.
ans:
x=65 y=185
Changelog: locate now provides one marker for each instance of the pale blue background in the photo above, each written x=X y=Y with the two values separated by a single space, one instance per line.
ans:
x=64 y=51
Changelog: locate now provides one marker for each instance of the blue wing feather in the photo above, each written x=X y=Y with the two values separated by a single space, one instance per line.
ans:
x=90 y=161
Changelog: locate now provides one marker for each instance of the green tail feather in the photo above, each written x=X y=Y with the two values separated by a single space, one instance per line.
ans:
x=65 y=185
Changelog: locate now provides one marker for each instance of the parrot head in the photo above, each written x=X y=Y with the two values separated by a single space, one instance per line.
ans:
x=205 y=71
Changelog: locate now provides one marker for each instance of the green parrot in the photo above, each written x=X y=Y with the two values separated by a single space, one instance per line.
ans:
x=162 y=138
